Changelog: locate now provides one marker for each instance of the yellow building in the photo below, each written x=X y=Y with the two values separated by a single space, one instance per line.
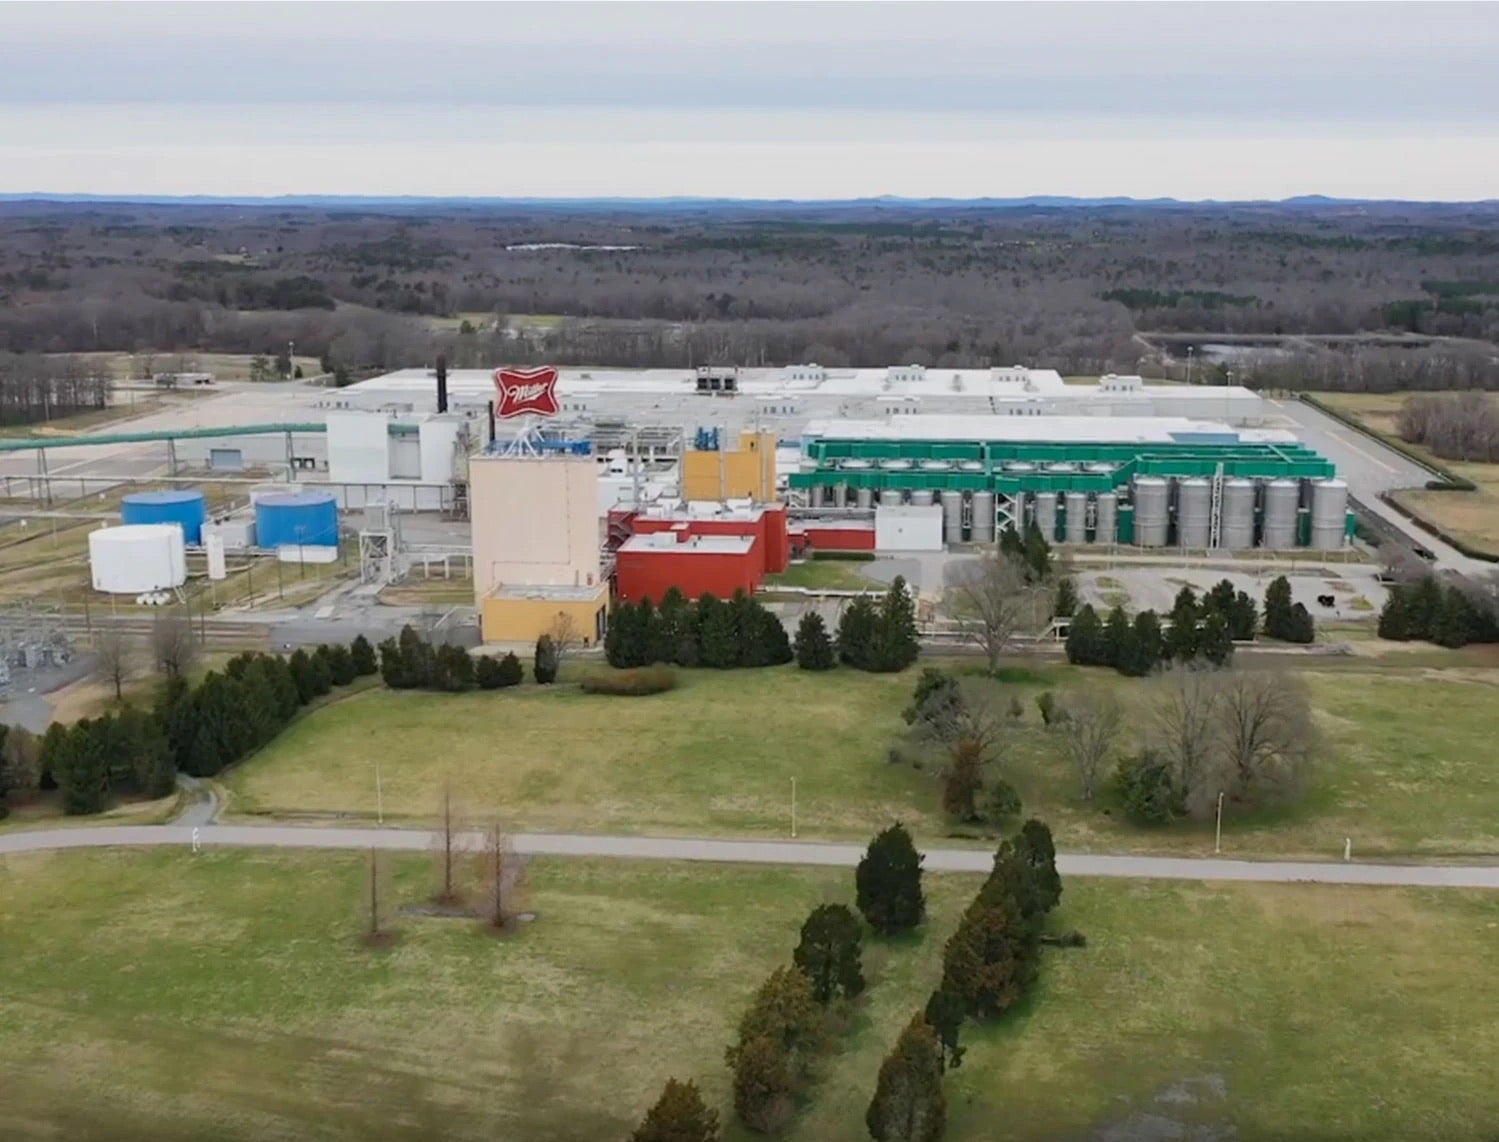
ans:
x=536 y=538
x=747 y=472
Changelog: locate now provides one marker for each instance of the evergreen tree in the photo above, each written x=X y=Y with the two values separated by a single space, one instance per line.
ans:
x=455 y=669
x=392 y=666
x=896 y=641
x=173 y=709
x=363 y=656
x=962 y=780
x=1394 y=617
x=544 y=665
x=1142 y=649
x=1085 y=638
x=857 y=633
x=888 y=883
x=718 y=642
x=1115 y=646
x=302 y=675
x=1037 y=553
x=283 y=686
x=341 y=665
x=1146 y=790
x=680 y=1115
x=945 y=1012
x=1214 y=642
x=153 y=773
x=1065 y=603
x=511 y=671
x=321 y=674
x=1278 y=608
x=909 y=1104
x=621 y=639
x=1011 y=545
x=778 y=1037
x=1221 y=598
x=989 y=961
x=487 y=673
x=937 y=704
x=262 y=705
x=1035 y=848
x=1299 y=625
x=418 y=659
x=829 y=953
x=1455 y=621
x=647 y=633
x=674 y=630
x=814 y=649
x=1243 y=618
x=1181 y=643
x=1424 y=605
x=82 y=769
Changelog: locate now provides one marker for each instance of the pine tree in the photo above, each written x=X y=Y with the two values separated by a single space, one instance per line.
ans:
x=1394 y=617
x=1142 y=648
x=718 y=640
x=1214 y=641
x=544 y=664
x=81 y=768
x=1085 y=638
x=646 y=633
x=322 y=671
x=1115 y=646
x=303 y=675
x=909 y=1104
x=341 y=665
x=857 y=633
x=888 y=883
x=1037 y=553
x=511 y=671
x=829 y=953
x=896 y=639
x=487 y=672
x=814 y=649
x=679 y=1115
x=392 y=666
x=1065 y=603
x=1181 y=642
x=418 y=659
x=620 y=638
x=945 y=1013
x=1243 y=619
x=363 y=656
x=1278 y=608
x=1455 y=620
x=986 y=962
x=1035 y=848
x=674 y=629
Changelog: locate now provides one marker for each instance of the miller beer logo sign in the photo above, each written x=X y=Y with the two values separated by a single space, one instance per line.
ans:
x=526 y=392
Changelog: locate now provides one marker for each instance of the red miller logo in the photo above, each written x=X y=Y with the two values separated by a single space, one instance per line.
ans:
x=526 y=392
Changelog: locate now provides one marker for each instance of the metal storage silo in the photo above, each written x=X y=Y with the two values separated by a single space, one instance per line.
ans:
x=1100 y=468
x=936 y=465
x=864 y=497
x=1077 y=517
x=1019 y=467
x=1329 y=514
x=983 y=517
x=970 y=466
x=186 y=509
x=1045 y=515
x=297 y=519
x=922 y=497
x=1103 y=532
x=137 y=558
x=1061 y=467
x=1278 y=532
x=1194 y=512
x=1150 y=511
x=1237 y=525
x=952 y=516
x=896 y=464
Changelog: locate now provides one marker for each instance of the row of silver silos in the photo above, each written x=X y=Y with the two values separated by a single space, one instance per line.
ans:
x=1153 y=511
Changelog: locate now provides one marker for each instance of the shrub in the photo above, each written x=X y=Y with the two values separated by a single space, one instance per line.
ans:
x=845 y=556
x=487 y=673
x=511 y=671
x=1001 y=802
x=1146 y=790
x=363 y=656
x=545 y=664
x=813 y=646
x=1052 y=714
x=635 y=683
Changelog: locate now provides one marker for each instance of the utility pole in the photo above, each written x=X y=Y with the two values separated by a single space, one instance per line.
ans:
x=793 y=808
x=1218 y=830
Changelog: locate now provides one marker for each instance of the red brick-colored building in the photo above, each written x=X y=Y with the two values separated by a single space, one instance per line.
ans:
x=766 y=523
x=648 y=565
x=835 y=535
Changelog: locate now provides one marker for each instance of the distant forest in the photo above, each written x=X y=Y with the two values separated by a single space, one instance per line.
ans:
x=1064 y=287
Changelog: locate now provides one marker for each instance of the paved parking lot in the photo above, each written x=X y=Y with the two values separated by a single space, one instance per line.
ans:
x=1353 y=587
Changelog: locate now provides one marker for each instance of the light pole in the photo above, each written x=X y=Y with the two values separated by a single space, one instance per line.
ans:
x=1190 y=350
x=379 y=795
x=1218 y=830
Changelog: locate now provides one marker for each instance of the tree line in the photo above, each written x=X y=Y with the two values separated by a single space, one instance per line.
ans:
x=410 y=662
x=793 y=1018
x=1451 y=615
x=1453 y=426
x=711 y=632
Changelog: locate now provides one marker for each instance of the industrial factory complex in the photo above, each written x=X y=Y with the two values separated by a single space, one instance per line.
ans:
x=558 y=491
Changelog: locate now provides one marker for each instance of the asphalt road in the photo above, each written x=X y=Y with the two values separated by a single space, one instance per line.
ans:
x=806 y=853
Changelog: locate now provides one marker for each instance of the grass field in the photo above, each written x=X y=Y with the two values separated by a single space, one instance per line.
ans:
x=1408 y=770
x=1473 y=516
x=223 y=366
x=149 y=994
x=823 y=574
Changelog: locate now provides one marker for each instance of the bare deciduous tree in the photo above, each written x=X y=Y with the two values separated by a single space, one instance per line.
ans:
x=991 y=602
x=1265 y=731
x=502 y=878
x=1089 y=732
x=172 y=647
x=565 y=636
x=1183 y=731
x=114 y=660
x=448 y=850
x=377 y=931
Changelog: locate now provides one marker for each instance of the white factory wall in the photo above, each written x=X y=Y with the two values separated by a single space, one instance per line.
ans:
x=358 y=447
x=908 y=528
x=439 y=448
x=407 y=497
x=535 y=520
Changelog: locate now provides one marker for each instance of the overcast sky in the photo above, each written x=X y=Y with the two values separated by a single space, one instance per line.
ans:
x=779 y=100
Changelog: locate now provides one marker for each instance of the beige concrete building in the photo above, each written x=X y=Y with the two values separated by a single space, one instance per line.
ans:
x=537 y=546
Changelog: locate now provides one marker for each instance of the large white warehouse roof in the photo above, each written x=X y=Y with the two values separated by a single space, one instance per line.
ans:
x=1047 y=429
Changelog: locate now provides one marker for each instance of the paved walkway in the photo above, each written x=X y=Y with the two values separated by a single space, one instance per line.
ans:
x=754 y=852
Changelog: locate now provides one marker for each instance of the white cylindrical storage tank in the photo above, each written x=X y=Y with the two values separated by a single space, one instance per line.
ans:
x=1020 y=467
x=952 y=516
x=896 y=465
x=137 y=558
x=1329 y=514
x=971 y=466
x=922 y=497
x=983 y=517
x=1194 y=512
x=864 y=497
x=1045 y=514
x=1100 y=468
x=1150 y=511
x=1237 y=525
x=1077 y=517
x=1282 y=498
x=1104 y=531
x=1062 y=467
x=936 y=465
x=854 y=464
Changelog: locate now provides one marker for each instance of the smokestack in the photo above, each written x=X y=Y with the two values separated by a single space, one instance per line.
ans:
x=491 y=422
x=442 y=383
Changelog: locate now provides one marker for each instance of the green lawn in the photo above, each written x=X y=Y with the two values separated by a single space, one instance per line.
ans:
x=151 y=994
x=1408 y=768
x=825 y=575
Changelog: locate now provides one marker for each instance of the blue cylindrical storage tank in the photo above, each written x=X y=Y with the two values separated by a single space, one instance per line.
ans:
x=289 y=519
x=186 y=509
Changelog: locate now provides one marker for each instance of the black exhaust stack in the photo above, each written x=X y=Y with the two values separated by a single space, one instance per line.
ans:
x=442 y=383
x=491 y=422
